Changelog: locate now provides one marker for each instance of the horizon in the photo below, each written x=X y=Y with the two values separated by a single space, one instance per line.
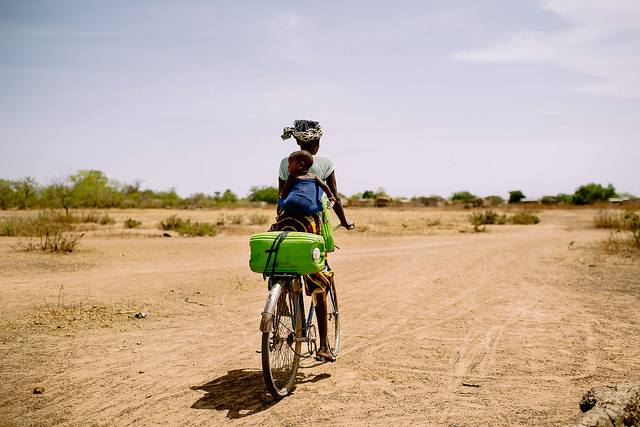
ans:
x=115 y=183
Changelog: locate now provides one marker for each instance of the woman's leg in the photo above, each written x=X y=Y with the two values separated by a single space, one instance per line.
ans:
x=321 y=314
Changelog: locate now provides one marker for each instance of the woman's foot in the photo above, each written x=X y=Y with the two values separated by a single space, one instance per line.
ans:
x=324 y=353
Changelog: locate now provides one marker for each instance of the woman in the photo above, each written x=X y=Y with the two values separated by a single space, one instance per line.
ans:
x=307 y=134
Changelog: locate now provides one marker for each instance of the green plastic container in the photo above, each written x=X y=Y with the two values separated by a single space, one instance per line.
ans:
x=298 y=253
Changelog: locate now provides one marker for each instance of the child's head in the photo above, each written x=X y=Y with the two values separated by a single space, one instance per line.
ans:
x=300 y=161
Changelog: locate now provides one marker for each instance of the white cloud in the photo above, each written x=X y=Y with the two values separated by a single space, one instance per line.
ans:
x=602 y=41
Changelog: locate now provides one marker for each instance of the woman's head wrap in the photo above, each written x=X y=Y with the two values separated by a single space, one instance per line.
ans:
x=303 y=130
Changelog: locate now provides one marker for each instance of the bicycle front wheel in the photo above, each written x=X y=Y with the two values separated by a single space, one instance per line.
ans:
x=333 y=321
x=281 y=345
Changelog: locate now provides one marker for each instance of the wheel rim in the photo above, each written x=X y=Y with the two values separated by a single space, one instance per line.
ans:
x=333 y=323
x=280 y=364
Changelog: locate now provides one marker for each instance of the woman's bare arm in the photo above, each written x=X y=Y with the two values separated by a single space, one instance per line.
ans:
x=337 y=208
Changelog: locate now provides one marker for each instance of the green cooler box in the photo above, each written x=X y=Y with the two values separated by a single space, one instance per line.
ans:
x=298 y=253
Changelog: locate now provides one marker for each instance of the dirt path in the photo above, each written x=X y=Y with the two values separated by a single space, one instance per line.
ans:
x=508 y=327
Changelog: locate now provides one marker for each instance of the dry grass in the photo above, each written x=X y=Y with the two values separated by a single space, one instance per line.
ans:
x=607 y=218
x=625 y=234
x=63 y=314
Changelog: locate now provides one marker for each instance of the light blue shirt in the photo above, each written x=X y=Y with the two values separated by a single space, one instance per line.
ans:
x=322 y=166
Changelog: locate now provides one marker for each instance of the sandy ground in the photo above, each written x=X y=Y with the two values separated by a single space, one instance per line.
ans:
x=439 y=327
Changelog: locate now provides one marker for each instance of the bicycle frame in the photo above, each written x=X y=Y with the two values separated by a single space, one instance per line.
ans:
x=284 y=328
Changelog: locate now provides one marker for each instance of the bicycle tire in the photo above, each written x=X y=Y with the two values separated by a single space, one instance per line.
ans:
x=280 y=349
x=333 y=321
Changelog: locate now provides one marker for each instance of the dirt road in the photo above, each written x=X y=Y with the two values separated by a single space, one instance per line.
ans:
x=502 y=328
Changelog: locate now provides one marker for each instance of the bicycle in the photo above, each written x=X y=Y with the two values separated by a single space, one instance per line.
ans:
x=285 y=328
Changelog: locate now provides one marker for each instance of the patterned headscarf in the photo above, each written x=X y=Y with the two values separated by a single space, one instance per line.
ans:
x=303 y=130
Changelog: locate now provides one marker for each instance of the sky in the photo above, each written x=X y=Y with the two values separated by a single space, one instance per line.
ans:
x=419 y=98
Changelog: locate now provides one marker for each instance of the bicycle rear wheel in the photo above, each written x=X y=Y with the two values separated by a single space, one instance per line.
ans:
x=280 y=348
x=333 y=321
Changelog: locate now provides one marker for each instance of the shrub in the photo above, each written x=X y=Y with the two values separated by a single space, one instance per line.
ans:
x=14 y=227
x=236 y=219
x=478 y=219
x=482 y=218
x=53 y=240
x=197 y=229
x=46 y=232
x=95 y=217
x=524 y=218
x=631 y=221
x=432 y=222
x=187 y=228
x=171 y=223
x=132 y=223
x=258 y=219
x=607 y=219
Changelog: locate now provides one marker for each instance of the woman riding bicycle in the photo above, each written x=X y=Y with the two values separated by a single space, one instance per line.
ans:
x=307 y=134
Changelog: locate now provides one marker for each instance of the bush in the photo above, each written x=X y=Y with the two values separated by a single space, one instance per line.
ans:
x=607 y=219
x=132 y=223
x=258 y=219
x=478 y=219
x=236 y=219
x=631 y=222
x=483 y=218
x=47 y=232
x=187 y=228
x=198 y=229
x=94 y=217
x=55 y=239
x=524 y=218
x=14 y=227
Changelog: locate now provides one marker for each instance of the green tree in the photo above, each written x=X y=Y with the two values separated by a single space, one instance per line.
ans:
x=591 y=193
x=7 y=194
x=368 y=195
x=515 y=196
x=26 y=191
x=463 y=196
x=263 y=194
x=229 y=197
x=61 y=193
x=90 y=187
x=169 y=198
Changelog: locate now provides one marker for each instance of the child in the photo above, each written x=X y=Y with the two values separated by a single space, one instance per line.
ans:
x=302 y=191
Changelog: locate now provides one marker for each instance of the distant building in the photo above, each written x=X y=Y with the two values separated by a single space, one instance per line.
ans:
x=528 y=201
x=383 y=201
x=432 y=202
x=362 y=203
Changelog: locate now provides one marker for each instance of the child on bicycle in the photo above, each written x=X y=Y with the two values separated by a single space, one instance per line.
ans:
x=302 y=191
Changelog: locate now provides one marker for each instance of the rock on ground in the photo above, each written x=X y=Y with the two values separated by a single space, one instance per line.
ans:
x=610 y=406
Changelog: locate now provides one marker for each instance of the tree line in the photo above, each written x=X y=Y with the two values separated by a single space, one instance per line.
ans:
x=92 y=189
x=584 y=195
